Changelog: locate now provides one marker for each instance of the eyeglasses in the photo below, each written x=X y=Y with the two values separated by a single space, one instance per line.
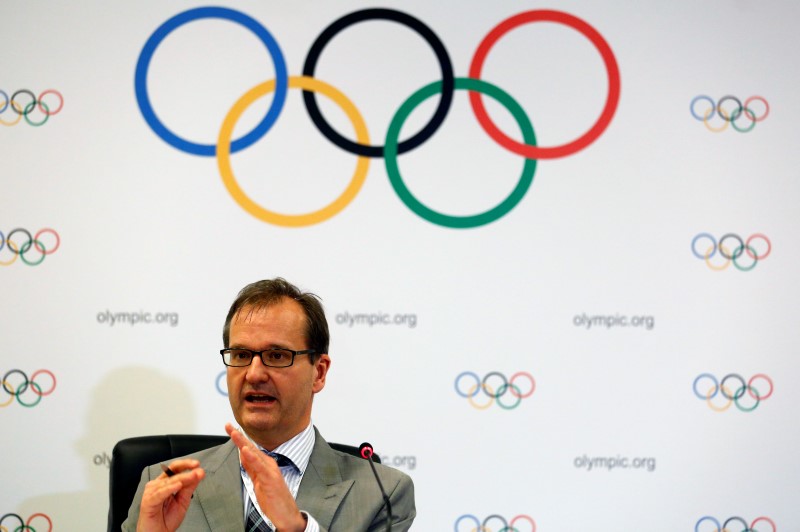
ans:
x=274 y=358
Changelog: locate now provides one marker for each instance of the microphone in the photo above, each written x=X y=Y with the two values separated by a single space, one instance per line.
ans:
x=366 y=453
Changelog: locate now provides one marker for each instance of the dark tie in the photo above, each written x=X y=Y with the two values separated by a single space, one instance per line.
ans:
x=256 y=523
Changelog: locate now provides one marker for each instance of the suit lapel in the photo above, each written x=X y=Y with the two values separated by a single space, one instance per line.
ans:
x=223 y=507
x=322 y=489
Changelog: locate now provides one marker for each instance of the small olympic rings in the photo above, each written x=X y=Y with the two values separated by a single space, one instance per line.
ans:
x=735 y=519
x=444 y=87
x=13 y=391
x=741 y=247
x=729 y=114
x=489 y=390
x=32 y=242
x=483 y=526
x=734 y=395
x=26 y=525
x=25 y=109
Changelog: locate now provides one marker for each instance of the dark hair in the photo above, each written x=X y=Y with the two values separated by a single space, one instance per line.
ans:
x=262 y=294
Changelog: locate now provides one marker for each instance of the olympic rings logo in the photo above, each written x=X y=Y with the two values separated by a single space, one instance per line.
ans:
x=393 y=147
x=484 y=526
x=745 y=392
x=730 y=116
x=507 y=386
x=724 y=527
x=26 y=109
x=33 y=242
x=218 y=383
x=26 y=525
x=26 y=385
x=706 y=253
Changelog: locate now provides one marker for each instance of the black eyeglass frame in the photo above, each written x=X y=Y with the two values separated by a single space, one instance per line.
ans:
x=260 y=354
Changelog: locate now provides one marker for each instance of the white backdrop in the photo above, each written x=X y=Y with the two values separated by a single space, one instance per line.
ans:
x=589 y=285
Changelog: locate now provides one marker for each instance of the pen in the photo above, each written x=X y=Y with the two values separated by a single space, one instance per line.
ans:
x=168 y=471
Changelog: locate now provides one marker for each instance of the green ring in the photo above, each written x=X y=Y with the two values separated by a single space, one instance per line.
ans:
x=744 y=408
x=32 y=105
x=458 y=222
x=500 y=394
x=24 y=250
x=743 y=268
x=747 y=129
x=29 y=405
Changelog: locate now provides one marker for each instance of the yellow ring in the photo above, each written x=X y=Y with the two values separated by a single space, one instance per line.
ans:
x=720 y=408
x=474 y=389
x=10 y=262
x=2 y=405
x=725 y=264
x=291 y=220
x=19 y=115
x=707 y=114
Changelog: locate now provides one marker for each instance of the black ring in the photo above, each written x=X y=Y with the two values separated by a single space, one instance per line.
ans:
x=746 y=526
x=736 y=394
x=736 y=114
x=448 y=80
x=500 y=517
x=504 y=386
x=23 y=91
x=28 y=243
x=21 y=522
x=737 y=251
x=22 y=388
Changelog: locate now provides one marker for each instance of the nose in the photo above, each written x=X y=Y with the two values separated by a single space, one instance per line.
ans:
x=257 y=371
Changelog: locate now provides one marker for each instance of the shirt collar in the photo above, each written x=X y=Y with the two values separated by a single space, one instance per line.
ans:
x=297 y=449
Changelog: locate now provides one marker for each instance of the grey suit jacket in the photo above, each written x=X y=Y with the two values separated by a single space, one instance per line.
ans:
x=337 y=489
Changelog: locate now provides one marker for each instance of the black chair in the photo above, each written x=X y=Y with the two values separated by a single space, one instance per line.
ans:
x=130 y=456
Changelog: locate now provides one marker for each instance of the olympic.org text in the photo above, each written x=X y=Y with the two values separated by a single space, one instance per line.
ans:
x=613 y=320
x=376 y=318
x=405 y=462
x=610 y=463
x=133 y=318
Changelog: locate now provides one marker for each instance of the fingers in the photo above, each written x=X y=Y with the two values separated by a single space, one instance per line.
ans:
x=166 y=498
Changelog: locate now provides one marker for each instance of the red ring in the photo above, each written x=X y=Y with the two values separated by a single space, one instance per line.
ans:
x=525 y=517
x=521 y=374
x=38 y=245
x=765 y=239
x=762 y=518
x=762 y=100
x=51 y=91
x=28 y=522
x=40 y=392
x=537 y=152
x=750 y=387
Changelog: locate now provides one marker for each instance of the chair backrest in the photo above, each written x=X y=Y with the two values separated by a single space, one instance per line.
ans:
x=130 y=456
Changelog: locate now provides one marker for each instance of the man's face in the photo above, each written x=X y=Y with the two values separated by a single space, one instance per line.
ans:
x=273 y=404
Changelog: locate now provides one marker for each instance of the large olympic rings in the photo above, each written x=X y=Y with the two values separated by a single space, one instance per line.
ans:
x=13 y=391
x=361 y=147
x=32 y=242
x=738 y=393
x=25 y=110
x=483 y=526
x=506 y=386
x=742 y=247
x=724 y=526
x=26 y=525
x=729 y=116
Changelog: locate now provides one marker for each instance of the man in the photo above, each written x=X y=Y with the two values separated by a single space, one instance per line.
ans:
x=276 y=353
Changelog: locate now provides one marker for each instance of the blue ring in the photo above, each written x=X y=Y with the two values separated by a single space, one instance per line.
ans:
x=8 y=100
x=703 y=97
x=216 y=383
x=698 y=237
x=468 y=516
x=2 y=236
x=477 y=387
x=704 y=397
x=143 y=65
x=707 y=518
